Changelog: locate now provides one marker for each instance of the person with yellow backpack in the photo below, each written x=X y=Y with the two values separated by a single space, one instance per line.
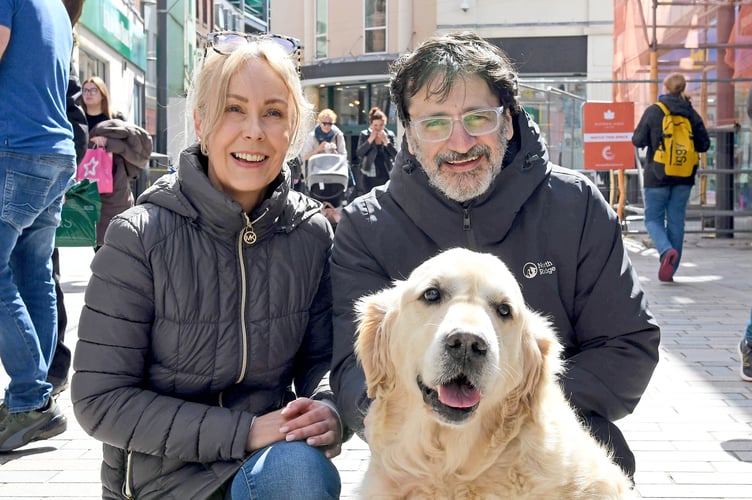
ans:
x=674 y=134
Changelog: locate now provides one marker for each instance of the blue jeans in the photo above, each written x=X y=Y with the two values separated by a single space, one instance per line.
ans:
x=665 y=212
x=283 y=471
x=31 y=197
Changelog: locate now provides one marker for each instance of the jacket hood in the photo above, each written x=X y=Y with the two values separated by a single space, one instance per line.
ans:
x=188 y=192
x=525 y=166
x=677 y=105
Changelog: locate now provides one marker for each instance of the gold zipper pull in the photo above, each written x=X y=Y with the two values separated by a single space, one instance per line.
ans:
x=249 y=235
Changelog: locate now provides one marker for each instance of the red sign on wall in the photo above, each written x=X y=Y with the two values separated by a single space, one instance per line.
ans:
x=608 y=128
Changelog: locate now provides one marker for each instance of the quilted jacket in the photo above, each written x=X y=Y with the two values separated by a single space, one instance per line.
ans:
x=197 y=318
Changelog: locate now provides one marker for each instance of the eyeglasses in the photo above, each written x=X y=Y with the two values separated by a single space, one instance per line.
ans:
x=92 y=90
x=328 y=124
x=225 y=42
x=476 y=122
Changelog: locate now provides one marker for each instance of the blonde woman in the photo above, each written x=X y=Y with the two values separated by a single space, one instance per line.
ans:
x=207 y=330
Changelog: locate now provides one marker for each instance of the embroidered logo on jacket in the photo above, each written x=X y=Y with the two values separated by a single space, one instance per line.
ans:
x=533 y=269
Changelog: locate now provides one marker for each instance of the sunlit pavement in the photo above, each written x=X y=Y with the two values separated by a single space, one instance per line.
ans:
x=691 y=433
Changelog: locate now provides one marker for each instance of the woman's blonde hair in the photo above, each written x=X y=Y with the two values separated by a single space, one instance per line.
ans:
x=102 y=87
x=327 y=112
x=208 y=94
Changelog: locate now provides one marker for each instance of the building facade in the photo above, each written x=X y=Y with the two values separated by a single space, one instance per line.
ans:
x=111 y=44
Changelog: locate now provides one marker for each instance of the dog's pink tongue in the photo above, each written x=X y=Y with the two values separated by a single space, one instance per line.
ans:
x=458 y=395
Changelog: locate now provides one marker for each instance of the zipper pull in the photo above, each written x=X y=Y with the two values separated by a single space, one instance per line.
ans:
x=466 y=219
x=249 y=235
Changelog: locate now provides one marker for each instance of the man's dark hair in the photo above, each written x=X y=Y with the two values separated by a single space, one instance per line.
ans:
x=442 y=60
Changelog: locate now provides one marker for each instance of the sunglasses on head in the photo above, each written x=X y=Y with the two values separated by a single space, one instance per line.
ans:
x=225 y=42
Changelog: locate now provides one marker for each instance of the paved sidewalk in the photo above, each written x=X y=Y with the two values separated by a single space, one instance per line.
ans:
x=692 y=432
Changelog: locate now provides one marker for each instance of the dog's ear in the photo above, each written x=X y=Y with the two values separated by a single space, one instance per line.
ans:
x=372 y=344
x=541 y=353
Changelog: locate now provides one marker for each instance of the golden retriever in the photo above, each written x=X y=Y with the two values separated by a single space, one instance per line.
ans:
x=465 y=398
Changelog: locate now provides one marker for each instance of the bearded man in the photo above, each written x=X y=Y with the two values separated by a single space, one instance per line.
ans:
x=473 y=172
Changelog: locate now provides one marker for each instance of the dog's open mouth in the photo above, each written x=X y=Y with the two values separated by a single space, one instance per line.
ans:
x=455 y=400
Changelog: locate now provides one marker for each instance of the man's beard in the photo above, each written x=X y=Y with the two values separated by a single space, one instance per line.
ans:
x=464 y=186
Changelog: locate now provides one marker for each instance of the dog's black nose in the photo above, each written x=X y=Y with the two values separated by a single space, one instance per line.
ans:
x=462 y=345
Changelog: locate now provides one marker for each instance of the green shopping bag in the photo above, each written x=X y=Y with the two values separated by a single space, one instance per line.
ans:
x=78 y=226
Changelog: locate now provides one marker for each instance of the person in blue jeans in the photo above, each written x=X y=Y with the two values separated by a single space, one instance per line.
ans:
x=666 y=196
x=37 y=164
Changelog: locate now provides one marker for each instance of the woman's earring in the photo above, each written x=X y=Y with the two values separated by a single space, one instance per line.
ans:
x=204 y=149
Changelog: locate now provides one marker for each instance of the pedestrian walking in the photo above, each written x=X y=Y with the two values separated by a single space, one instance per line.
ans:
x=206 y=331
x=37 y=164
x=666 y=196
x=57 y=375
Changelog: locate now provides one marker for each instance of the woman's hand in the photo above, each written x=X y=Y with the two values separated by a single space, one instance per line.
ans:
x=302 y=419
x=99 y=141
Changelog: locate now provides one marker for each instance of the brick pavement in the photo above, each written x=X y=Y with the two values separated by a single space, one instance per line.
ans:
x=691 y=433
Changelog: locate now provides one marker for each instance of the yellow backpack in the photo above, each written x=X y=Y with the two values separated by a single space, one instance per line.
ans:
x=676 y=152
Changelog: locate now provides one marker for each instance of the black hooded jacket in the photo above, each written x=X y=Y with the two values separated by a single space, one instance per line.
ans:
x=555 y=232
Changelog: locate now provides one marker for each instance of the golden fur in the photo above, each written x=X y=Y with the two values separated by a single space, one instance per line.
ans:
x=458 y=330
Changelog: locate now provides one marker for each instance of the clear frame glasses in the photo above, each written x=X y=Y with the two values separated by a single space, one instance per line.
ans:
x=225 y=42
x=475 y=122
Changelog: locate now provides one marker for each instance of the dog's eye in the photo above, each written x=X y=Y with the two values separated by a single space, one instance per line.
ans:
x=504 y=310
x=432 y=295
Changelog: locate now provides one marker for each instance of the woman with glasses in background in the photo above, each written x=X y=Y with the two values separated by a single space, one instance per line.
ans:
x=206 y=332
x=129 y=144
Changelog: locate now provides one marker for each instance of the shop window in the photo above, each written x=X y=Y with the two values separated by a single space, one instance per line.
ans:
x=375 y=26
x=322 y=28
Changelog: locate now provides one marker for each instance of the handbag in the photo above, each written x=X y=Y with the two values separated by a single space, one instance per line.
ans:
x=97 y=166
x=79 y=216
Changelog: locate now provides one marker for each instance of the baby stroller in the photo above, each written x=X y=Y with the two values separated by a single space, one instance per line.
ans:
x=327 y=180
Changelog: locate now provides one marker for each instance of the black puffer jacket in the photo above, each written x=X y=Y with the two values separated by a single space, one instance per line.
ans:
x=557 y=235
x=649 y=133
x=191 y=328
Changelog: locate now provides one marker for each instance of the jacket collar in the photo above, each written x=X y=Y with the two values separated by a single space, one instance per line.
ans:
x=189 y=193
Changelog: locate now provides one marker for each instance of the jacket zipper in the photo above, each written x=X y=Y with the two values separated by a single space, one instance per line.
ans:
x=468 y=228
x=127 y=493
x=247 y=236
